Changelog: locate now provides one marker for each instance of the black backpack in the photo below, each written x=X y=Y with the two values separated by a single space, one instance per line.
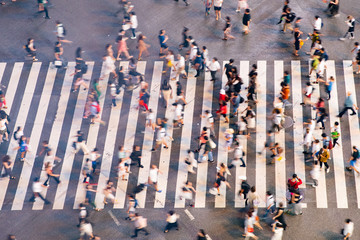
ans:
x=64 y=30
x=84 y=67
x=292 y=16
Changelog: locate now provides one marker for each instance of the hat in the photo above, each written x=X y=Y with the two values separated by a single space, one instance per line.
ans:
x=222 y=91
x=229 y=131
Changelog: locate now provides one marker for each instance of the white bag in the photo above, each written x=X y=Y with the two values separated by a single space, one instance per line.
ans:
x=213 y=191
x=212 y=143
x=58 y=63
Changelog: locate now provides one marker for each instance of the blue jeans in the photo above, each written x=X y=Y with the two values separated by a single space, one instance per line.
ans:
x=133 y=31
x=270 y=210
x=210 y=156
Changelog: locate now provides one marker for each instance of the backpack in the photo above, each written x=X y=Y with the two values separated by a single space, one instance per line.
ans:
x=64 y=30
x=292 y=16
x=84 y=68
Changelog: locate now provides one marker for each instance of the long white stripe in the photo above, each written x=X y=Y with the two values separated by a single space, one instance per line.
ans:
x=109 y=148
x=23 y=112
x=185 y=144
x=14 y=81
x=149 y=134
x=165 y=153
x=133 y=115
x=57 y=126
x=261 y=132
x=92 y=138
x=35 y=138
x=321 y=196
x=2 y=69
x=202 y=169
x=340 y=181
x=353 y=120
x=280 y=166
x=222 y=156
x=298 y=132
x=68 y=161
x=241 y=171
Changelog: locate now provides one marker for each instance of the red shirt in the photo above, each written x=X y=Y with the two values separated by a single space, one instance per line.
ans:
x=294 y=183
x=222 y=97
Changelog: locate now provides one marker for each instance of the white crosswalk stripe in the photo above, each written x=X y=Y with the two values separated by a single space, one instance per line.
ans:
x=13 y=193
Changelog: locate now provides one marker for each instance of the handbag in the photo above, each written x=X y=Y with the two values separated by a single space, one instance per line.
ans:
x=212 y=143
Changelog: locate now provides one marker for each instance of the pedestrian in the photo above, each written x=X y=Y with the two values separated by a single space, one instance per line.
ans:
x=278 y=231
x=179 y=67
x=246 y=21
x=207 y=151
x=298 y=42
x=163 y=39
x=78 y=80
x=227 y=29
x=209 y=123
x=187 y=193
x=315 y=173
x=294 y=206
x=61 y=32
x=308 y=138
x=316 y=149
x=238 y=156
x=10 y=237
x=121 y=48
x=86 y=230
x=3 y=129
x=348 y=229
x=283 y=13
x=333 y=8
x=294 y=183
x=43 y=4
x=153 y=177
x=244 y=188
x=169 y=61
x=48 y=151
x=324 y=157
x=328 y=86
x=135 y=156
x=134 y=24
x=289 y=18
x=249 y=226
x=108 y=192
x=197 y=63
x=201 y=235
x=23 y=147
x=142 y=46
x=351 y=23
x=87 y=171
x=31 y=49
x=171 y=221
x=355 y=155
x=83 y=213
x=7 y=164
x=223 y=111
x=36 y=189
x=89 y=196
x=144 y=100
x=50 y=174
x=217 y=8
x=140 y=225
x=59 y=59
x=307 y=95
x=229 y=136
x=349 y=104
x=95 y=112
x=321 y=116
x=150 y=120
x=317 y=23
x=253 y=199
x=132 y=205
x=280 y=215
x=242 y=4
x=80 y=143
x=113 y=94
x=185 y=43
x=270 y=205
x=335 y=134
x=214 y=67
x=190 y=161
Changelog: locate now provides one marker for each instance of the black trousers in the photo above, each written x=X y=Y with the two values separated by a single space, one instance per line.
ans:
x=325 y=163
x=345 y=109
x=32 y=199
x=171 y=225
x=213 y=73
x=140 y=229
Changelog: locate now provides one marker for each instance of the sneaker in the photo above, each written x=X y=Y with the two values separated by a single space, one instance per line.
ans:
x=353 y=114
x=153 y=150
x=237 y=11
x=133 y=37
x=342 y=39
x=328 y=170
x=314 y=185
x=159 y=191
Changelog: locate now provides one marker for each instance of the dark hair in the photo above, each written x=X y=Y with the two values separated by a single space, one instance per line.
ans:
x=215 y=58
x=254 y=66
x=253 y=189
x=231 y=60
x=171 y=212
x=268 y=193
x=316 y=16
x=228 y=18
x=78 y=52
x=294 y=175
x=247 y=10
x=57 y=43
x=286 y=72
x=348 y=220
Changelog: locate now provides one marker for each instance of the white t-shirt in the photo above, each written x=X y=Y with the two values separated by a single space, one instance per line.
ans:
x=278 y=233
x=270 y=201
x=317 y=24
x=36 y=187
x=238 y=152
x=172 y=218
x=2 y=124
x=349 y=228
x=308 y=90
x=153 y=174
x=316 y=147
x=214 y=66
x=209 y=120
x=218 y=3
x=178 y=111
x=151 y=116
x=134 y=21
x=181 y=62
x=60 y=30
x=193 y=52
x=161 y=134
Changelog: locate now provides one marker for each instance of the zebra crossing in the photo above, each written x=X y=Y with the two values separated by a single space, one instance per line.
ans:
x=32 y=89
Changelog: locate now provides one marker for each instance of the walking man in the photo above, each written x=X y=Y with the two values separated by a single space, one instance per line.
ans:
x=36 y=188
x=351 y=23
x=80 y=143
x=214 y=67
x=153 y=177
x=349 y=104
x=140 y=225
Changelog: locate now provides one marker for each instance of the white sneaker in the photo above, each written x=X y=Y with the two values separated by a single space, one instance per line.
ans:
x=328 y=170
x=314 y=185
x=342 y=39
x=133 y=37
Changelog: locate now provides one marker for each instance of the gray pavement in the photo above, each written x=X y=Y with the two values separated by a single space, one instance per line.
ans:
x=91 y=24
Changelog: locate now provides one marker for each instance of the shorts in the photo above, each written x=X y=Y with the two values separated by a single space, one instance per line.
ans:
x=163 y=45
x=297 y=45
x=224 y=115
x=3 y=131
x=110 y=196
x=217 y=8
x=245 y=28
x=158 y=142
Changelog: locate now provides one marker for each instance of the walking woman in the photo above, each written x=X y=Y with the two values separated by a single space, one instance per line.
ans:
x=142 y=46
x=7 y=164
x=171 y=221
x=280 y=215
x=23 y=147
x=166 y=91
x=187 y=193
x=50 y=174
x=31 y=49
x=122 y=47
x=227 y=29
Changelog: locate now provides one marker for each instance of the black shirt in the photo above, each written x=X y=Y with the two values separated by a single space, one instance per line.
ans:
x=246 y=19
x=178 y=90
x=290 y=17
x=135 y=155
x=80 y=138
x=228 y=68
x=297 y=36
x=57 y=50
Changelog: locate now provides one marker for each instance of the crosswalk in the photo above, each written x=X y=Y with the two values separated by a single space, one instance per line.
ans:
x=40 y=100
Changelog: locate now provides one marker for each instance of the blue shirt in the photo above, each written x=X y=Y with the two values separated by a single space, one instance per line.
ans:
x=161 y=39
x=349 y=102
